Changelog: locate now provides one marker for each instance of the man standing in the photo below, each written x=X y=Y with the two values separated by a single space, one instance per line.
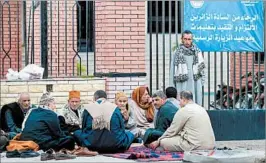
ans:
x=187 y=67
x=12 y=115
x=191 y=128
x=103 y=128
x=72 y=112
x=164 y=117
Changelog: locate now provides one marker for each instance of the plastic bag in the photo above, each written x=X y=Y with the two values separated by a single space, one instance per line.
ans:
x=12 y=75
x=31 y=72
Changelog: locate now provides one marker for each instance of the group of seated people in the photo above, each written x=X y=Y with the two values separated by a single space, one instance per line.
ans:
x=164 y=121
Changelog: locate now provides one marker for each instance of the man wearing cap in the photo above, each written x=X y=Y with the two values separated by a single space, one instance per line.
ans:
x=41 y=125
x=72 y=112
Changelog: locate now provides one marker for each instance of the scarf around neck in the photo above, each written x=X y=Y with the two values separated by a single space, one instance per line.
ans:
x=101 y=112
x=180 y=64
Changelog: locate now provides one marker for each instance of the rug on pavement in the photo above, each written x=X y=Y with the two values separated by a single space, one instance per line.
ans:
x=144 y=154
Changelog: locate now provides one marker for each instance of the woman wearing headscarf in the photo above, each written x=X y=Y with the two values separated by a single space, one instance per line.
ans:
x=142 y=108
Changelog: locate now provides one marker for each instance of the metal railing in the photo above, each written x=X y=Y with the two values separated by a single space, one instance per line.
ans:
x=234 y=80
x=60 y=38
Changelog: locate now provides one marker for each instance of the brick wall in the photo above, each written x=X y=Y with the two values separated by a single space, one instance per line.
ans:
x=120 y=36
x=246 y=63
x=120 y=43
x=10 y=48
x=60 y=89
x=61 y=50
x=124 y=84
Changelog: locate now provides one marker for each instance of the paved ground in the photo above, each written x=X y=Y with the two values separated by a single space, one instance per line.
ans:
x=257 y=145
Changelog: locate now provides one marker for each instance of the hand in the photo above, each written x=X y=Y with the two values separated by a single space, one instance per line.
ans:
x=154 y=145
x=125 y=114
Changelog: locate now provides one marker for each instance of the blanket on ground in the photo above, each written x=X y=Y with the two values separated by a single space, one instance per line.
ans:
x=144 y=154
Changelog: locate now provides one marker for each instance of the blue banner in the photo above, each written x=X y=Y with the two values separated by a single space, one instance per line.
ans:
x=226 y=25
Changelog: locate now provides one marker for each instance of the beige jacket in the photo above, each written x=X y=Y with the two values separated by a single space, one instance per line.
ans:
x=192 y=129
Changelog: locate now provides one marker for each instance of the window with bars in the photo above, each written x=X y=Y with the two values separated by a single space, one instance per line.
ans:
x=81 y=27
x=157 y=16
x=259 y=57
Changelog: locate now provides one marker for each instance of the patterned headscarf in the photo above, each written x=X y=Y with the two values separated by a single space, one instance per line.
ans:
x=148 y=107
x=46 y=99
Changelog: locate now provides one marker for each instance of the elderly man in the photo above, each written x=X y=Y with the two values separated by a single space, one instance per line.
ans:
x=164 y=118
x=41 y=125
x=191 y=128
x=103 y=128
x=12 y=115
x=187 y=67
x=72 y=112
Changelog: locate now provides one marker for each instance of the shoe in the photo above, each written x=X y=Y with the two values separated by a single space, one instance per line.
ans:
x=48 y=155
x=85 y=152
x=29 y=153
x=63 y=156
x=13 y=154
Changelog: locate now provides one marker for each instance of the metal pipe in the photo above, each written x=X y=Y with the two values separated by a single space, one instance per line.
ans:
x=150 y=25
x=157 y=44
x=87 y=27
x=234 y=90
x=163 y=30
x=227 y=82
x=221 y=70
x=209 y=85
x=253 y=86
x=264 y=55
x=170 y=34
x=44 y=40
x=240 y=80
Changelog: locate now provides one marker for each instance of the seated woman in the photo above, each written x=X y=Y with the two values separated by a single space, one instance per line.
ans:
x=142 y=108
x=121 y=100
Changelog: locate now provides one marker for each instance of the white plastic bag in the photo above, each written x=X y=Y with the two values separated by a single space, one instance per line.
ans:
x=31 y=72
x=12 y=75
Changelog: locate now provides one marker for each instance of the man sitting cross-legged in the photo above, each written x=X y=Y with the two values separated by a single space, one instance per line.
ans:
x=12 y=115
x=164 y=118
x=72 y=112
x=41 y=125
x=103 y=128
x=191 y=128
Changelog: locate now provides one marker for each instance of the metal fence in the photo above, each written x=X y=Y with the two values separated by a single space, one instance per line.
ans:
x=234 y=80
x=52 y=34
